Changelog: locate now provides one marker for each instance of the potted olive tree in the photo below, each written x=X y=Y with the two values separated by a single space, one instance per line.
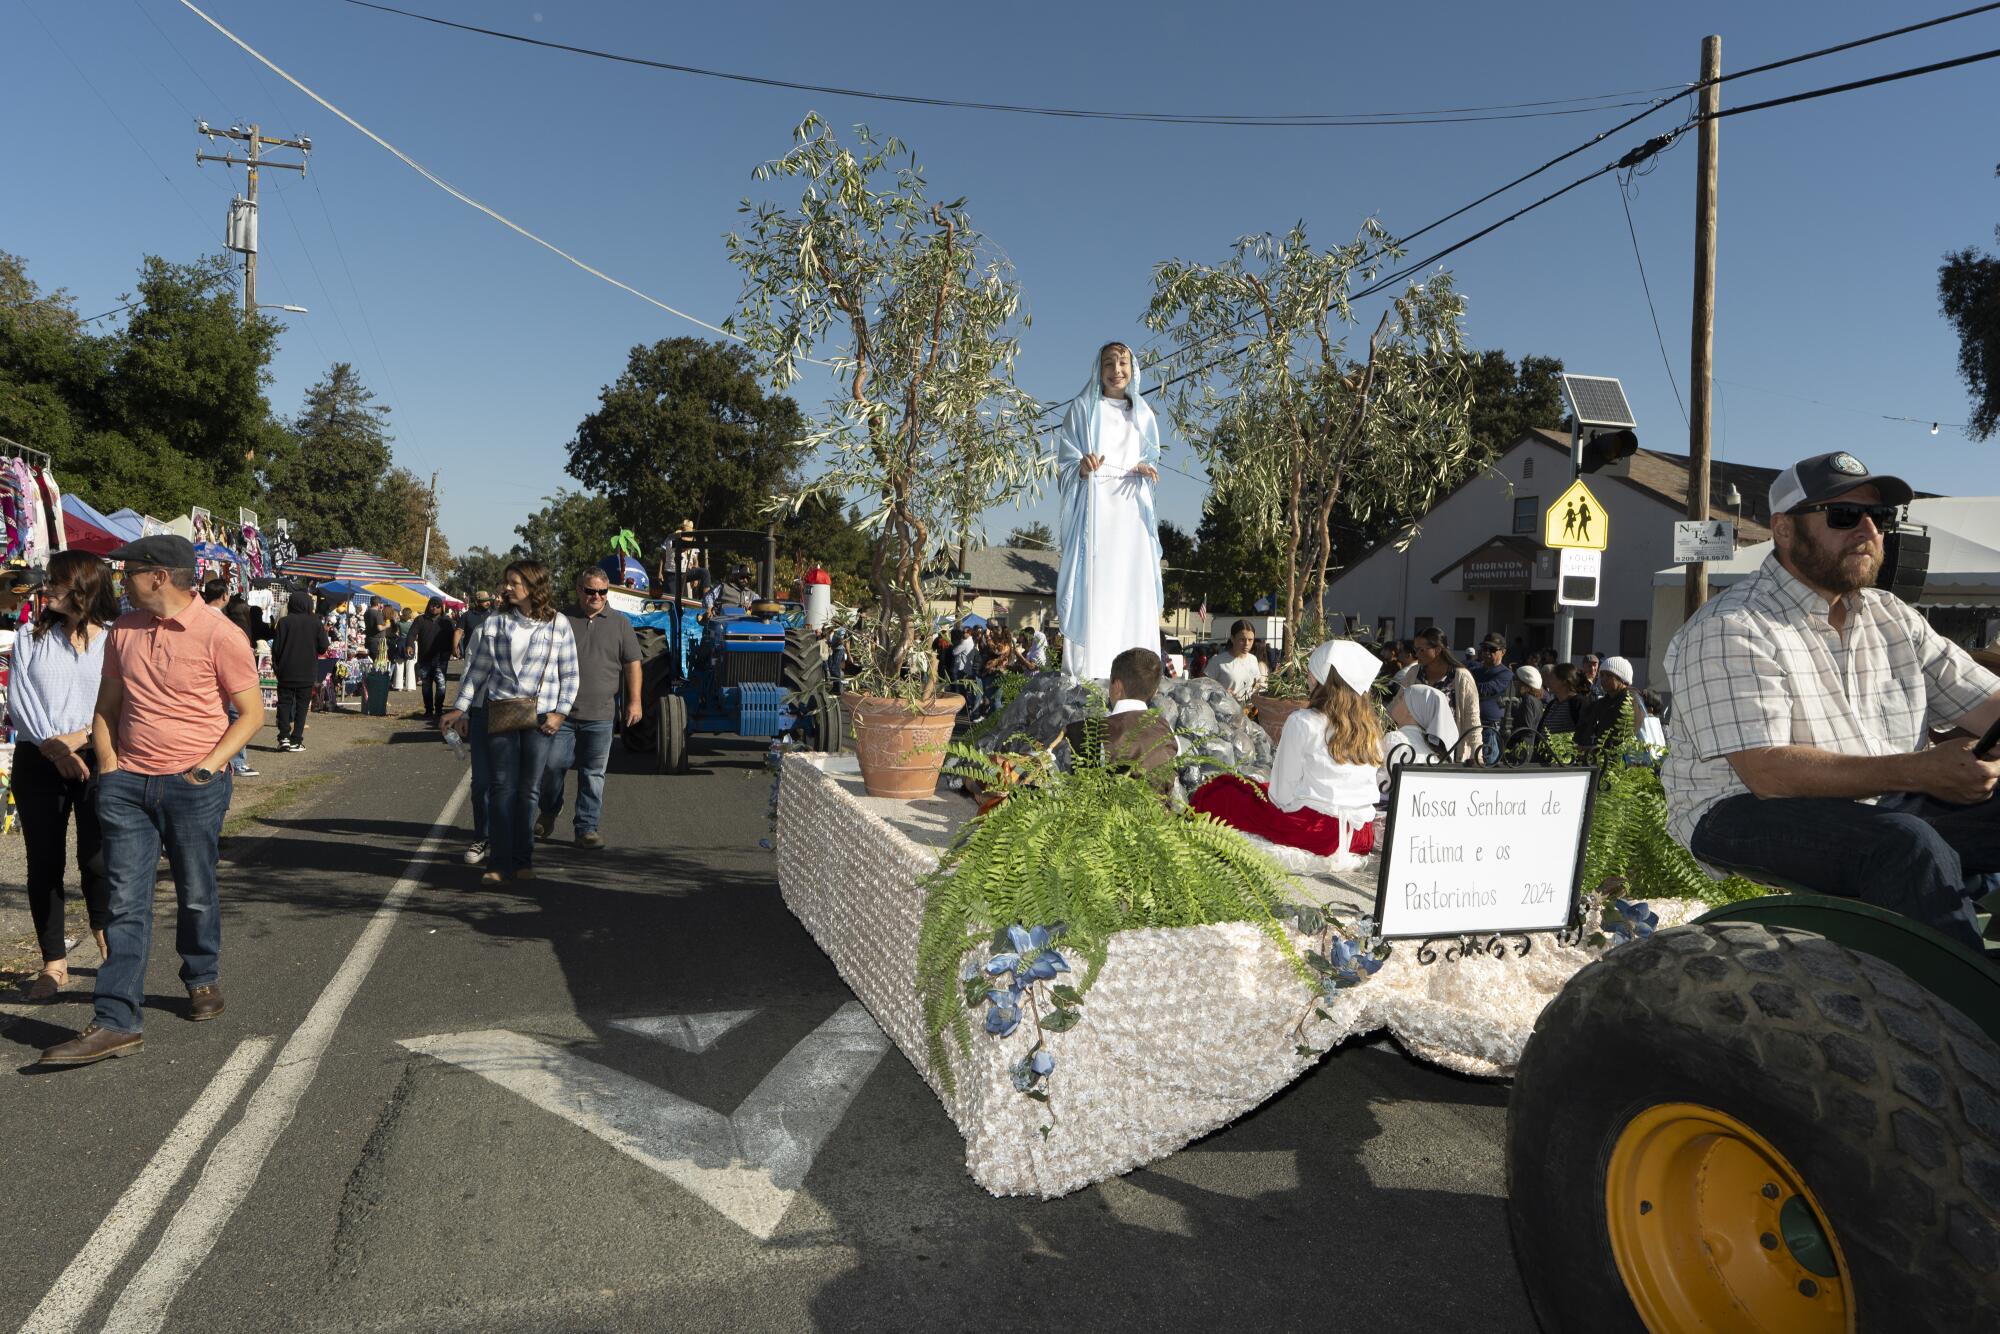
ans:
x=916 y=316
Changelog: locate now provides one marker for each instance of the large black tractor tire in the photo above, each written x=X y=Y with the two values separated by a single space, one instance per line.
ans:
x=671 y=725
x=805 y=661
x=656 y=676
x=1884 y=1099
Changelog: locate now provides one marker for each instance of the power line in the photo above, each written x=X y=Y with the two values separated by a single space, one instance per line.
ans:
x=1647 y=287
x=1841 y=407
x=1598 y=138
x=1289 y=120
x=458 y=194
x=1853 y=84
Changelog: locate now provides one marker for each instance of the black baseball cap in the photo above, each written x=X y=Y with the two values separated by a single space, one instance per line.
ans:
x=1824 y=476
x=163 y=551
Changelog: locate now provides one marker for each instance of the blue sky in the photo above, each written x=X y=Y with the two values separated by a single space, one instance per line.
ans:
x=1834 y=214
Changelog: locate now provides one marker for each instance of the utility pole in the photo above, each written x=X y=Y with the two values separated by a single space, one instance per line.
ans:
x=243 y=222
x=430 y=521
x=1702 y=359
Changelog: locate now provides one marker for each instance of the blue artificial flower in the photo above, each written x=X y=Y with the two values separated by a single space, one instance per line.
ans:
x=1635 y=921
x=968 y=970
x=1044 y=966
x=1003 y=963
x=1003 y=1013
x=1042 y=1060
x=1352 y=964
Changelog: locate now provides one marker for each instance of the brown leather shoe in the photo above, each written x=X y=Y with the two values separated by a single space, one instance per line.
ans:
x=92 y=1045
x=205 y=1003
x=593 y=839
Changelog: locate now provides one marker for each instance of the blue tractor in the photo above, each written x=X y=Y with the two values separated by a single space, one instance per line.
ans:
x=748 y=668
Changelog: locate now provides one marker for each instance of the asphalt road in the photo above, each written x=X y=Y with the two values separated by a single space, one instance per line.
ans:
x=295 y=1165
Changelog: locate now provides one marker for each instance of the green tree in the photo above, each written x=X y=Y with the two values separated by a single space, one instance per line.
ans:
x=187 y=376
x=478 y=569
x=569 y=533
x=1969 y=292
x=919 y=316
x=1293 y=425
x=1237 y=566
x=686 y=432
x=396 y=520
x=1181 y=554
x=1509 y=398
x=329 y=485
x=1036 y=534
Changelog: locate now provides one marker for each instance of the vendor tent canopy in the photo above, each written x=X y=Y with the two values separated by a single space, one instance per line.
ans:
x=431 y=590
x=345 y=563
x=346 y=588
x=87 y=530
x=215 y=551
x=400 y=594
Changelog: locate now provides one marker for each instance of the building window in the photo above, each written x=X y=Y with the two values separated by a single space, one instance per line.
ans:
x=1462 y=633
x=1584 y=639
x=1527 y=513
x=1421 y=624
x=1528 y=468
x=1632 y=640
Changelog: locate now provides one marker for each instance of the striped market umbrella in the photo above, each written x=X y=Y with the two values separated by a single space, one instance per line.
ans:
x=346 y=563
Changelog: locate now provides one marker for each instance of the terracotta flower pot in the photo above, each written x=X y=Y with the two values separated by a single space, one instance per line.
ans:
x=1272 y=712
x=901 y=749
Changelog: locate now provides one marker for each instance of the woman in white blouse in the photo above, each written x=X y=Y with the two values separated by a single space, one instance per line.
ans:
x=52 y=692
x=1241 y=672
x=1326 y=775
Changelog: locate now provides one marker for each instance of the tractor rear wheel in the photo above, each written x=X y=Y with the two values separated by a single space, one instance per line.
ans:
x=805 y=661
x=672 y=727
x=1738 y=1126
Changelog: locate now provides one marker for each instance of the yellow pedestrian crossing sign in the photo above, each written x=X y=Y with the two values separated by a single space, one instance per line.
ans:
x=1576 y=521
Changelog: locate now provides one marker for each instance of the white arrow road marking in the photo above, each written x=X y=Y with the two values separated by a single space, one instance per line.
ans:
x=746 y=1166
x=689 y=1032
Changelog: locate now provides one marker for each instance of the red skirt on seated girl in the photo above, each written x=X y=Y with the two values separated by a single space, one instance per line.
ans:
x=1242 y=804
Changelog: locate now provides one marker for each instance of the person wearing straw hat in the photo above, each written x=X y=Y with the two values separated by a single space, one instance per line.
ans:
x=1326 y=775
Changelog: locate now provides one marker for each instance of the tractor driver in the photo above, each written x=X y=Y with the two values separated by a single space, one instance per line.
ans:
x=737 y=591
x=1799 y=745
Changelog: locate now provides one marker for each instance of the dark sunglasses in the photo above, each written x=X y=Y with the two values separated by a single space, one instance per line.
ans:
x=1843 y=514
x=595 y=592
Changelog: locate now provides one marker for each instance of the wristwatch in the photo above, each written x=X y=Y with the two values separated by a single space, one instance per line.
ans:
x=203 y=777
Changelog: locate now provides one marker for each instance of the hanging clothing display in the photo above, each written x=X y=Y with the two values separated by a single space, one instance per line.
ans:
x=52 y=506
x=26 y=517
x=253 y=552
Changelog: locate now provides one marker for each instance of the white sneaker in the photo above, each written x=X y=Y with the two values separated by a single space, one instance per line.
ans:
x=476 y=854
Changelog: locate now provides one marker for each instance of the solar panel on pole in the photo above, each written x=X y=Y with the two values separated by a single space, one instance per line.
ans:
x=1598 y=401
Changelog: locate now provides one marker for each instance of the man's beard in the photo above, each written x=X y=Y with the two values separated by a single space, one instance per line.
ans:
x=1832 y=571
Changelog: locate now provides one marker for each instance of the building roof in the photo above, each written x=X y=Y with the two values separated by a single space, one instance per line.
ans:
x=1526 y=547
x=1664 y=477
x=1016 y=571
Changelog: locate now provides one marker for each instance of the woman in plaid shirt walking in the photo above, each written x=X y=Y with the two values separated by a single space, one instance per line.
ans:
x=521 y=660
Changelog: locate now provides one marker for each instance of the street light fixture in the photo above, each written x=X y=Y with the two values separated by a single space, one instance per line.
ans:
x=296 y=310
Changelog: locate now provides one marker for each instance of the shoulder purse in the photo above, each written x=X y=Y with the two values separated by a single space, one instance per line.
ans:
x=515 y=714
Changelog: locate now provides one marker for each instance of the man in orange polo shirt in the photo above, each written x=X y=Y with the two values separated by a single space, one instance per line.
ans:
x=163 y=739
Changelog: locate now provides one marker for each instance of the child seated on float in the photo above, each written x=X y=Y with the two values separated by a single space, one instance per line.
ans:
x=1325 y=777
x=1132 y=735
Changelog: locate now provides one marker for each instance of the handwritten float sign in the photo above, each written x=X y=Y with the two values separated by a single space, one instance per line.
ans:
x=1477 y=851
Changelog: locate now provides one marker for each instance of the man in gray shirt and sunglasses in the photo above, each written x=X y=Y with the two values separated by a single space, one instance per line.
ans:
x=607 y=658
x=1804 y=698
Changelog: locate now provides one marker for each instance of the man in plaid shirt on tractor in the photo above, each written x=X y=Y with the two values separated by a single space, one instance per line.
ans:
x=1804 y=700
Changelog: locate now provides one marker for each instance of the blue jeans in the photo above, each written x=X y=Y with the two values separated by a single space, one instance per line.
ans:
x=140 y=812
x=482 y=783
x=1909 y=854
x=583 y=745
x=430 y=680
x=1489 y=743
x=241 y=759
x=514 y=763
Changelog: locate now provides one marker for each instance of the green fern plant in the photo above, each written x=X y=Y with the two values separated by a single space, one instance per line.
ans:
x=1628 y=826
x=1094 y=850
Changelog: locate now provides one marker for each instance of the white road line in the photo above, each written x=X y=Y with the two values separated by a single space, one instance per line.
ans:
x=232 y=1169
x=70 y=1300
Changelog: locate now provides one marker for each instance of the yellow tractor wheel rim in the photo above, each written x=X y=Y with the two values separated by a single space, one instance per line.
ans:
x=1713 y=1229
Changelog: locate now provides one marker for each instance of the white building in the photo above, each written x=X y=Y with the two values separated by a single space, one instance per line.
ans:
x=1958 y=592
x=1475 y=564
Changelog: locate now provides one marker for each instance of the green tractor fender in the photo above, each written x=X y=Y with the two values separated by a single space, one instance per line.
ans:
x=1956 y=975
